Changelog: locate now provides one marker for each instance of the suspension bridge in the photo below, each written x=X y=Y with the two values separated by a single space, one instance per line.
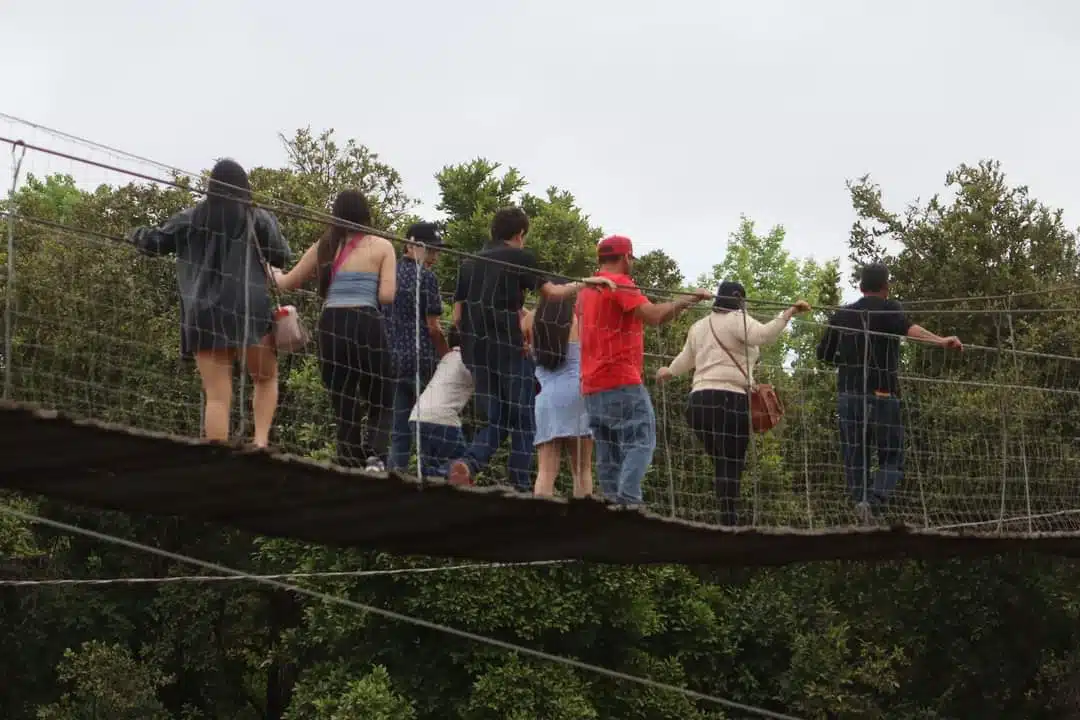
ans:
x=99 y=411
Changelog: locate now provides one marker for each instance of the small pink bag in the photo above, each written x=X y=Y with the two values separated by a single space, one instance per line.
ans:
x=290 y=335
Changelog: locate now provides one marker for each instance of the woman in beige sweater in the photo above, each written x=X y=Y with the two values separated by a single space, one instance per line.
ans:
x=722 y=350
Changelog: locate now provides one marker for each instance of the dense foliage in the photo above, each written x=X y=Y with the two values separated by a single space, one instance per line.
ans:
x=987 y=638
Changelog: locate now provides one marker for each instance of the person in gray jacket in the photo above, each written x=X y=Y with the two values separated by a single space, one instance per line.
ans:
x=225 y=304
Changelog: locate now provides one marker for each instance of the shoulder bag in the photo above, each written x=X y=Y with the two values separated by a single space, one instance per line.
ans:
x=766 y=410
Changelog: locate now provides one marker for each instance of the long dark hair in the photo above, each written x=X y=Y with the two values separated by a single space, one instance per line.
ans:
x=551 y=331
x=352 y=207
x=228 y=197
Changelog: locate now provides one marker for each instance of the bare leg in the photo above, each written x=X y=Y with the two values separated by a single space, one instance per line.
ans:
x=215 y=369
x=580 y=449
x=548 y=456
x=262 y=366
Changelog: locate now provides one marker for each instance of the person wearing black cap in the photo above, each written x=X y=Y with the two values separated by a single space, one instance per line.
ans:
x=416 y=337
x=722 y=349
x=863 y=341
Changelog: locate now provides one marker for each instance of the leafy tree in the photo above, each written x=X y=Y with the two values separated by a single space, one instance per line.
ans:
x=326 y=693
x=105 y=681
x=469 y=194
x=772 y=277
x=992 y=241
x=966 y=638
x=560 y=233
x=657 y=269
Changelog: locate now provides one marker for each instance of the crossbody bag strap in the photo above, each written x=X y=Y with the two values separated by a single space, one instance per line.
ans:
x=251 y=237
x=729 y=354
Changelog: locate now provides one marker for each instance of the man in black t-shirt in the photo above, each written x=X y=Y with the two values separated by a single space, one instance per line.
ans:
x=863 y=341
x=488 y=306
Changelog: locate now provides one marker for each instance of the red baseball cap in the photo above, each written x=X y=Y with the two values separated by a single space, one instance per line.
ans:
x=615 y=245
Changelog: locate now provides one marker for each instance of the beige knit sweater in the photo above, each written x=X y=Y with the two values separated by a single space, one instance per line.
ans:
x=741 y=334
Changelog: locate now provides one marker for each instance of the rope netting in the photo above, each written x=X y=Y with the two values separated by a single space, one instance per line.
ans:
x=93 y=327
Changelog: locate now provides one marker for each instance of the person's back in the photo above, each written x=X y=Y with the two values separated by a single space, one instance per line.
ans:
x=492 y=290
x=612 y=335
x=416 y=337
x=722 y=348
x=446 y=393
x=217 y=259
x=356 y=273
x=487 y=311
x=863 y=341
x=562 y=422
x=224 y=250
x=437 y=414
x=417 y=300
x=488 y=304
x=568 y=367
x=612 y=359
x=866 y=348
x=556 y=343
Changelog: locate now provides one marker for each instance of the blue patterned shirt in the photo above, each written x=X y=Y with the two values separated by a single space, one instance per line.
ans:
x=401 y=319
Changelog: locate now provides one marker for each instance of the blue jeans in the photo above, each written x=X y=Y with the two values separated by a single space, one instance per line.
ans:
x=624 y=430
x=400 y=437
x=439 y=444
x=871 y=422
x=506 y=396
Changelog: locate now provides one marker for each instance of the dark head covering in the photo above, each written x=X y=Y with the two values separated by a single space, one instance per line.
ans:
x=729 y=296
x=425 y=232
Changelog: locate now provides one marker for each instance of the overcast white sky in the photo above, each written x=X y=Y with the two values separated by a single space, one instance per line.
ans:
x=666 y=119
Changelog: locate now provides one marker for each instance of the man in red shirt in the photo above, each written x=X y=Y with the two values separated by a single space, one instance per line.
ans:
x=612 y=329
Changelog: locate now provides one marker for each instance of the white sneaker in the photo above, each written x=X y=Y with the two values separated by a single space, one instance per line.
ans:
x=374 y=464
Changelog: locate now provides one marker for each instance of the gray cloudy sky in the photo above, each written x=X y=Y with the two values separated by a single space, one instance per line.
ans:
x=666 y=119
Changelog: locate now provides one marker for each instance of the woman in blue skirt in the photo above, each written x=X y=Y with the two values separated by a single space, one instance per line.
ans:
x=561 y=420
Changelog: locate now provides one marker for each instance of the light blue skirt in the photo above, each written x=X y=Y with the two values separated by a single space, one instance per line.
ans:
x=560 y=407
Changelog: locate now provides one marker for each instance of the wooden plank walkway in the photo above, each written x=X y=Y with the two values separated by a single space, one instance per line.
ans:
x=117 y=468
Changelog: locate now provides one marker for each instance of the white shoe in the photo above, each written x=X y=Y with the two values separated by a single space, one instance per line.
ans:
x=374 y=464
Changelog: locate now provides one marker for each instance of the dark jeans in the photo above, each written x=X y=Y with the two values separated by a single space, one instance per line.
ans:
x=871 y=422
x=439 y=444
x=721 y=421
x=506 y=396
x=355 y=363
x=405 y=395
x=624 y=432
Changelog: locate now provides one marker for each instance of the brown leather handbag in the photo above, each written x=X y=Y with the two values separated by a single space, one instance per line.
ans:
x=766 y=410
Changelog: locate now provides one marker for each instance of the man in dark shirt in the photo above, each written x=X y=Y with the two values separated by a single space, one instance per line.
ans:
x=488 y=306
x=863 y=341
x=416 y=338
